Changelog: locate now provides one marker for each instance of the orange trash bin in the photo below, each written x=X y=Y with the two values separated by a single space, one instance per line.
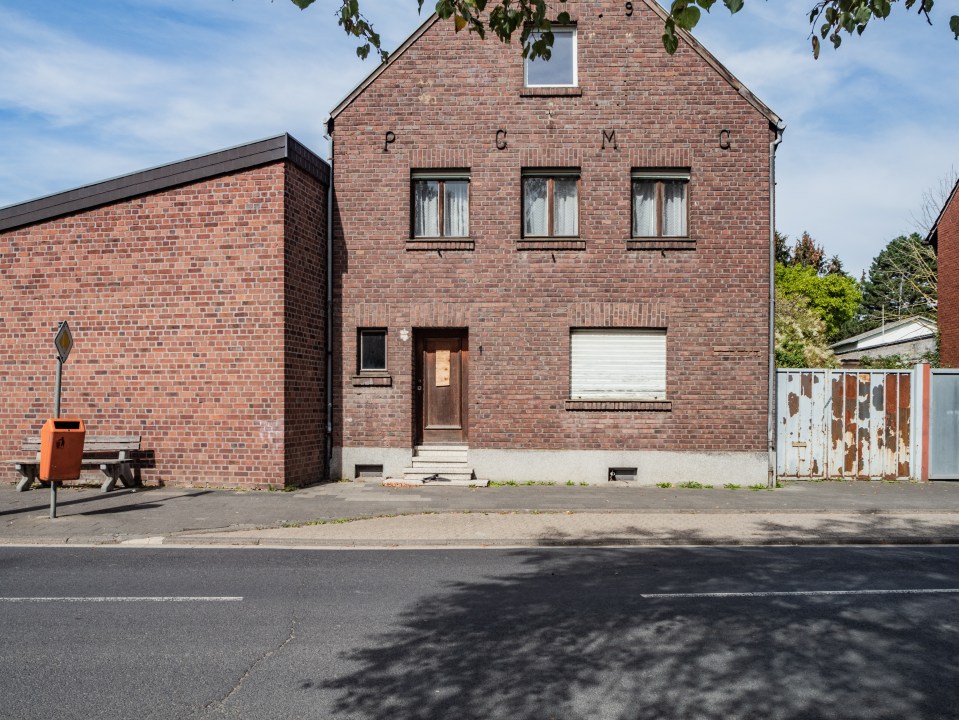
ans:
x=61 y=449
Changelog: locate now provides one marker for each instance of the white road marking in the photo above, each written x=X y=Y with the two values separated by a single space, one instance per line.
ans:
x=119 y=599
x=791 y=593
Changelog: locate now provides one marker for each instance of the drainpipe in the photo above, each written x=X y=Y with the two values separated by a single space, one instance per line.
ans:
x=328 y=457
x=771 y=411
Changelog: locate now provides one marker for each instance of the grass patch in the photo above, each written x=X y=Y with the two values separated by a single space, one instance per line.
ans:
x=732 y=486
x=759 y=486
x=693 y=485
x=503 y=483
x=571 y=483
x=665 y=485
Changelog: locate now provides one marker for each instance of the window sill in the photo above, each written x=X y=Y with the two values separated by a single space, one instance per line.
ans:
x=674 y=243
x=555 y=243
x=621 y=405
x=383 y=380
x=414 y=244
x=551 y=92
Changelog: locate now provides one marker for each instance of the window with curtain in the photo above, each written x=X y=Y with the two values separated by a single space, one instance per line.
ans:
x=441 y=205
x=550 y=203
x=660 y=207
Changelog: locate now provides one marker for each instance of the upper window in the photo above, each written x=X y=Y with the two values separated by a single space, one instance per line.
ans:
x=550 y=203
x=560 y=69
x=372 y=351
x=441 y=205
x=614 y=364
x=660 y=203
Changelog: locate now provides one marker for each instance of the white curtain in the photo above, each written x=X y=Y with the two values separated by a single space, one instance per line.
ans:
x=534 y=206
x=456 y=212
x=565 y=207
x=674 y=210
x=644 y=208
x=426 y=208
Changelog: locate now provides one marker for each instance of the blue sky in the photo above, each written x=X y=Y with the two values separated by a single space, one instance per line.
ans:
x=97 y=89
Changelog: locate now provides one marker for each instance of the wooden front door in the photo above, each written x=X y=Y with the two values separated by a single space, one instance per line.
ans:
x=441 y=381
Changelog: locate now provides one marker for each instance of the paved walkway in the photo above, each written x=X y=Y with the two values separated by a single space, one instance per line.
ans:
x=368 y=515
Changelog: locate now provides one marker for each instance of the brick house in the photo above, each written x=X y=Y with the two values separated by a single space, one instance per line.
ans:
x=553 y=271
x=196 y=294
x=944 y=237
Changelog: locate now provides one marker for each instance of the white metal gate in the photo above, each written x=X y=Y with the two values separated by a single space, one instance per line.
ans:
x=944 y=425
x=845 y=423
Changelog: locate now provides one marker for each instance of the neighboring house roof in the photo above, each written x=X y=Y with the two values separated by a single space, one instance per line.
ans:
x=932 y=237
x=908 y=330
x=163 y=177
x=694 y=44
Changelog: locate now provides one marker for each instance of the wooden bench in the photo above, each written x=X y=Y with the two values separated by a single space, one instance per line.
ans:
x=113 y=454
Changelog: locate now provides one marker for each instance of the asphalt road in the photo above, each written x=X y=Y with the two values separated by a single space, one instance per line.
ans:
x=561 y=633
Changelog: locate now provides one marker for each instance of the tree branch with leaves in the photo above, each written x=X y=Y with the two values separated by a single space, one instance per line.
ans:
x=830 y=19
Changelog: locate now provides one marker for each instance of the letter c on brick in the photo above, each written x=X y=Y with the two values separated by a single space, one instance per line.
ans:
x=724 y=139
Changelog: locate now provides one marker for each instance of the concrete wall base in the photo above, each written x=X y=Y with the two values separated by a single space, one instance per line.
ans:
x=590 y=466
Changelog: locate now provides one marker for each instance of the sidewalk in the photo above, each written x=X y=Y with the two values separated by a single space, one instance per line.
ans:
x=368 y=515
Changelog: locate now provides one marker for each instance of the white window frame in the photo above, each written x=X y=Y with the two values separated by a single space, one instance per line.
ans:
x=550 y=175
x=659 y=177
x=618 y=364
x=564 y=30
x=441 y=177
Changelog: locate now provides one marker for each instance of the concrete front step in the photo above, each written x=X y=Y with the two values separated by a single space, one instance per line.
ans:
x=406 y=481
x=439 y=462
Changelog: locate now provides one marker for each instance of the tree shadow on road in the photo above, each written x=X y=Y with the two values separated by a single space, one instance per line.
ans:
x=570 y=635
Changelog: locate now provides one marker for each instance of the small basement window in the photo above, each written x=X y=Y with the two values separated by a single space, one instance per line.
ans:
x=614 y=364
x=372 y=355
x=560 y=70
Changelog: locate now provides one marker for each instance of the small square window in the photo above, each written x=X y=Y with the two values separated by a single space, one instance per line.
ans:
x=560 y=70
x=441 y=205
x=372 y=351
x=660 y=207
x=550 y=203
x=614 y=364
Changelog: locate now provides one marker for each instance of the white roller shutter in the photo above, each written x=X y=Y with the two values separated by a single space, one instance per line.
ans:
x=618 y=364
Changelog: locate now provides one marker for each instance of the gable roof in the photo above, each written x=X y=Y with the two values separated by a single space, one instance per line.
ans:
x=163 y=177
x=684 y=35
x=890 y=334
x=932 y=237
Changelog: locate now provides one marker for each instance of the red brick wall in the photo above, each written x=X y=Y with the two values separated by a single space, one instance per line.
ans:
x=176 y=301
x=445 y=99
x=948 y=264
x=305 y=318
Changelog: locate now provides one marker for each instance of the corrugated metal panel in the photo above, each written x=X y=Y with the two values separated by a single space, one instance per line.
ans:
x=618 y=364
x=841 y=423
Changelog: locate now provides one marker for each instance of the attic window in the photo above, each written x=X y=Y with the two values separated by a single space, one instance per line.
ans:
x=560 y=70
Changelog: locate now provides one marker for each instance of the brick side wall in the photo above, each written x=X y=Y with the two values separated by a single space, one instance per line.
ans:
x=948 y=264
x=445 y=99
x=305 y=318
x=176 y=301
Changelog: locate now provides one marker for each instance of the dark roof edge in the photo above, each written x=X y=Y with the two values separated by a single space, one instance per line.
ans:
x=933 y=231
x=164 y=177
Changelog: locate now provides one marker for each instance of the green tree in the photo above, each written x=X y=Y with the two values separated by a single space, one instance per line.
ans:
x=800 y=334
x=783 y=254
x=503 y=18
x=901 y=283
x=833 y=298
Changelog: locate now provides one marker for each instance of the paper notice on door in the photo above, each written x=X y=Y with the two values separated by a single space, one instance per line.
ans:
x=442 y=368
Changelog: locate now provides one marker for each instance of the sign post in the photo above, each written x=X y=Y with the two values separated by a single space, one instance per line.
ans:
x=63 y=341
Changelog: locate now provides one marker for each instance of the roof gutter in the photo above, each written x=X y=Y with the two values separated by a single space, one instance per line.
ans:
x=780 y=128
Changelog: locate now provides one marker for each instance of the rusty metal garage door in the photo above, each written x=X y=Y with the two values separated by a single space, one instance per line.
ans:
x=844 y=423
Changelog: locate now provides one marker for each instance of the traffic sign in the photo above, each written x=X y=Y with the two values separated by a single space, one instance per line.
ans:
x=63 y=341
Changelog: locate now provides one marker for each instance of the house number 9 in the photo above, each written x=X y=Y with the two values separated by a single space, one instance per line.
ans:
x=629 y=9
